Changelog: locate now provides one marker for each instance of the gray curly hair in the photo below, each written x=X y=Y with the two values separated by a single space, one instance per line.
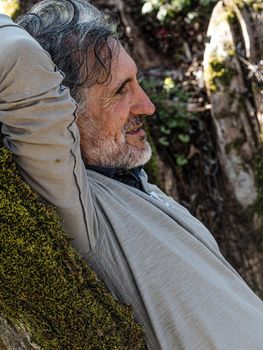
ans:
x=79 y=39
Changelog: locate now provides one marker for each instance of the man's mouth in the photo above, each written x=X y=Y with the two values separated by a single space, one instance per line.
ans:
x=137 y=131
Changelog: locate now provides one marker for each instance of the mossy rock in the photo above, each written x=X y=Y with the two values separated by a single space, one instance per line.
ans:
x=45 y=285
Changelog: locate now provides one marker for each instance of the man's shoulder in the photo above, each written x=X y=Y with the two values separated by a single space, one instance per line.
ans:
x=6 y=21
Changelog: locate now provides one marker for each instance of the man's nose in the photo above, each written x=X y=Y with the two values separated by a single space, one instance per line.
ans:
x=142 y=104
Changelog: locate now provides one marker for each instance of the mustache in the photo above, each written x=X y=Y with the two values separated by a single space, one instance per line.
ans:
x=133 y=123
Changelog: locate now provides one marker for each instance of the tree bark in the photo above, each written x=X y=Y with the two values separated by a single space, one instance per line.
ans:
x=233 y=98
x=234 y=82
x=13 y=338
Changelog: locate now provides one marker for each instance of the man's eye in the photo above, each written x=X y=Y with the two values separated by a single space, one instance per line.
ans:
x=121 y=90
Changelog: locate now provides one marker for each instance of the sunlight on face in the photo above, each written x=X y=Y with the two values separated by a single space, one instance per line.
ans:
x=111 y=126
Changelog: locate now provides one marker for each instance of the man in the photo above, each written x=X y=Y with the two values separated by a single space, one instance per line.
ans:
x=149 y=250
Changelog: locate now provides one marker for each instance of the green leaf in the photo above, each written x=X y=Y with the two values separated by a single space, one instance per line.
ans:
x=184 y=138
x=181 y=160
x=165 y=130
x=172 y=123
x=163 y=141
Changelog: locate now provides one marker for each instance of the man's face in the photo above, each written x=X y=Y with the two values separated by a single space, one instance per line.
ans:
x=111 y=133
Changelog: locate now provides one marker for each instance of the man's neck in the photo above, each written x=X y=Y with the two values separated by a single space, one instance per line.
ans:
x=130 y=177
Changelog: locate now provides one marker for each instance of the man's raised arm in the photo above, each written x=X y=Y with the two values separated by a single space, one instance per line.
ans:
x=38 y=117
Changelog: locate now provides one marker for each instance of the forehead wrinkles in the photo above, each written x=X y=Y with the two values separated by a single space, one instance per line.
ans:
x=122 y=67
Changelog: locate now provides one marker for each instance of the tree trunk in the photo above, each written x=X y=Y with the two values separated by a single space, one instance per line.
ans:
x=13 y=338
x=235 y=86
x=49 y=297
x=234 y=98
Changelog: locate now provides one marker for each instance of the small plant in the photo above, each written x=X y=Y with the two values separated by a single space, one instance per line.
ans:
x=219 y=73
x=172 y=125
x=164 y=10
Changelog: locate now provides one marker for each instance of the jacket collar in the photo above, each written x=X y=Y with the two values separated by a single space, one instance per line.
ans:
x=6 y=21
x=130 y=177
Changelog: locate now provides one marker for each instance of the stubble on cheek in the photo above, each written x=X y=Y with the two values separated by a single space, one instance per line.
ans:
x=119 y=137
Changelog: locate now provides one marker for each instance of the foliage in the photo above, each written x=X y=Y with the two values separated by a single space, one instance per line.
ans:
x=257 y=5
x=9 y=7
x=152 y=167
x=173 y=121
x=176 y=27
x=165 y=10
x=45 y=285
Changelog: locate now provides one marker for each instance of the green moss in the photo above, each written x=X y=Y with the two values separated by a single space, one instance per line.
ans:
x=46 y=285
x=257 y=6
x=219 y=74
x=240 y=3
x=230 y=15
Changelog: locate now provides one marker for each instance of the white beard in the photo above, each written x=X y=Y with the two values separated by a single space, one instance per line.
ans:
x=101 y=151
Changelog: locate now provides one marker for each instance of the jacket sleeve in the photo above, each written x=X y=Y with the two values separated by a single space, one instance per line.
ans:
x=38 y=116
